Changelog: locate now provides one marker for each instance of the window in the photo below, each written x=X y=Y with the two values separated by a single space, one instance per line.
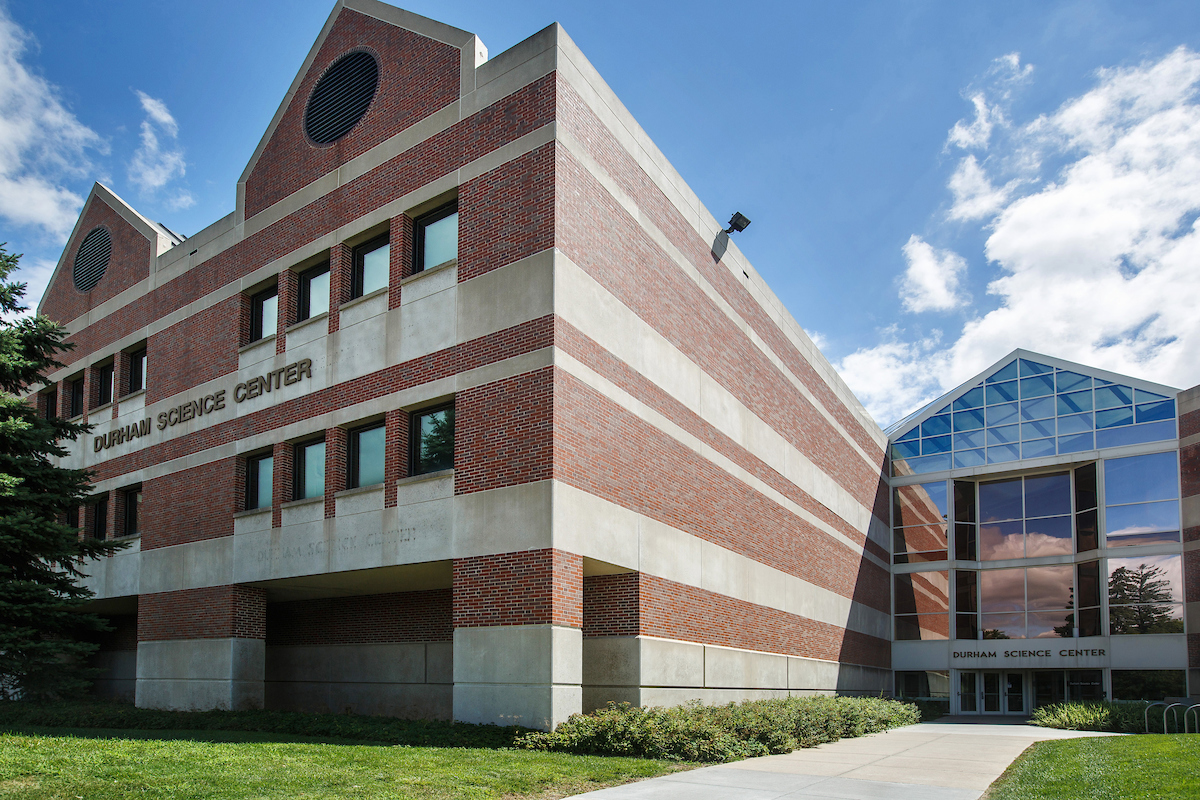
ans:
x=1145 y=595
x=100 y=519
x=104 y=377
x=1086 y=526
x=371 y=266
x=314 y=293
x=75 y=387
x=73 y=517
x=258 y=482
x=366 y=456
x=922 y=604
x=919 y=520
x=1020 y=603
x=432 y=440
x=1141 y=500
x=1025 y=517
x=436 y=238
x=50 y=399
x=137 y=371
x=264 y=314
x=133 y=508
x=309 y=470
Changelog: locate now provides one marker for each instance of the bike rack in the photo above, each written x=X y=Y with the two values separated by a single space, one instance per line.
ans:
x=1146 y=716
x=1193 y=707
x=1175 y=716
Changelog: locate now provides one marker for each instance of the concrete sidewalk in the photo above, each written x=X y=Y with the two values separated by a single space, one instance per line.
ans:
x=954 y=758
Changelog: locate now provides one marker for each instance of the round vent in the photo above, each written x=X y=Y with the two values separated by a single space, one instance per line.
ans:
x=92 y=259
x=341 y=97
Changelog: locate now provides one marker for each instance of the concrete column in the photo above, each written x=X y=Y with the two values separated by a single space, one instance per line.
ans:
x=518 y=638
x=202 y=649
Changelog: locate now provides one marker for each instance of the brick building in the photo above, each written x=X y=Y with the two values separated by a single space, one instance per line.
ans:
x=469 y=410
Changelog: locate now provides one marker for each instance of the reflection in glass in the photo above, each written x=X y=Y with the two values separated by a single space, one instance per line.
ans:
x=1002 y=590
x=1137 y=479
x=1070 y=381
x=1050 y=624
x=1112 y=417
x=936 y=426
x=923 y=592
x=1076 y=423
x=1049 y=589
x=964 y=542
x=1038 y=386
x=969 y=441
x=1150 y=432
x=1050 y=536
x=968 y=420
x=966 y=626
x=1037 y=430
x=1000 y=540
x=968 y=458
x=967 y=699
x=374 y=265
x=1143 y=523
x=1074 y=403
x=1145 y=595
x=1003 y=626
x=972 y=399
x=1040 y=408
x=1000 y=500
x=922 y=627
x=441 y=241
x=1113 y=396
x=1037 y=448
x=1004 y=434
x=920 y=504
x=1004 y=414
x=1002 y=392
x=1048 y=495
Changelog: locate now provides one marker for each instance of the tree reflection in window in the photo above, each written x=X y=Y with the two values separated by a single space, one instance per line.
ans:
x=1144 y=595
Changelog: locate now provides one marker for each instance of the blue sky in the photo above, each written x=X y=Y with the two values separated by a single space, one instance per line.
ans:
x=931 y=184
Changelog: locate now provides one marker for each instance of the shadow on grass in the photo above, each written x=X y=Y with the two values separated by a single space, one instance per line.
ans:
x=189 y=735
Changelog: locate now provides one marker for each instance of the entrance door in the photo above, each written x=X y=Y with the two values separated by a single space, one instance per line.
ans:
x=991 y=693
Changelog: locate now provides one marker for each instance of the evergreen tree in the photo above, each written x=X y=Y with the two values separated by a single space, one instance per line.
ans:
x=41 y=654
x=1140 y=601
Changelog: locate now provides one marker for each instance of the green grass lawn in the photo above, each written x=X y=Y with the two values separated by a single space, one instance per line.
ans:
x=100 y=764
x=1149 y=767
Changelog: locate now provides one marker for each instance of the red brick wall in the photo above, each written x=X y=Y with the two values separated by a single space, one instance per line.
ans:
x=610 y=605
x=397 y=617
x=215 y=612
x=503 y=432
x=129 y=263
x=417 y=76
x=192 y=505
x=197 y=349
x=531 y=587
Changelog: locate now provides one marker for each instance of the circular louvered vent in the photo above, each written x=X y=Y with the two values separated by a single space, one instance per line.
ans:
x=92 y=259
x=341 y=97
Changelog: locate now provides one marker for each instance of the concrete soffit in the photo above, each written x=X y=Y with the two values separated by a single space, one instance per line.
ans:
x=930 y=409
x=154 y=233
x=473 y=54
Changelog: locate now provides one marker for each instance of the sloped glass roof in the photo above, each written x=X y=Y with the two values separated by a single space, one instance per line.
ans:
x=1028 y=409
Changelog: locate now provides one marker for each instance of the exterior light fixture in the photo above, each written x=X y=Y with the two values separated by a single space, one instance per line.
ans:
x=737 y=222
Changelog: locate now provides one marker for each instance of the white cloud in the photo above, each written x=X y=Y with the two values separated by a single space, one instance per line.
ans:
x=1100 y=264
x=1005 y=73
x=42 y=144
x=975 y=197
x=159 y=159
x=977 y=132
x=931 y=282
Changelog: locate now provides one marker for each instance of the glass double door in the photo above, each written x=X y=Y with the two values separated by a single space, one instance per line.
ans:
x=991 y=692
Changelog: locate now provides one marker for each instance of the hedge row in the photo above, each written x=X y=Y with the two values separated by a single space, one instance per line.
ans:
x=696 y=732
x=1117 y=717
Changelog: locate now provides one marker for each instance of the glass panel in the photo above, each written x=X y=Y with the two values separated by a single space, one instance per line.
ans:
x=1001 y=392
x=1080 y=423
x=1087 y=530
x=1143 y=523
x=972 y=399
x=1014 y=692
x=968 y=420
x=1074 y=402
x=370 y=456
x=441 y=241
x=920 y=539
x=968 y=441
x=1050 y=536
x=375 y=270
x=314 y=470
x=1003 y=626
x=964 y=541
x=1040 y=408
x=318 y=294
x=1005 y=413
x=1037 y=430
x=1050 y=625
x=1148 y=684
x=991 y=692
x=1002 y=590
x=1075 y=443
x=269 y=315
x=937 y=444
x=1112 y=417
x=1088 y=589
x=920 y=504
x=1145 y=579
x=967 y=700
x=1142 y=396
x=968 y=458
x=436 y=447
x=1113 y=396
x=966 y=626
x=906 y=449
x=965 y=599
x=1005 y=434
x=1002 y=453
x=1039 y=386
x=1145 y=619
x=1150 y=432
x=913 y=434
x=924 y=627
x=1140 y=478
x=1006 y=374
x=1048 y=688
x=923 y=593
x=1067 y=381
x=1034 y=368
x=936 y=426
x=1000 y=500
x=1049 y=588
x=928 y=463
x=1085 y=685
x=929 y=685
x=1089 y=622
x=262 y=467
x=1048 y=495
x=964 y=501
x=1037 y=448
x=1152 y=412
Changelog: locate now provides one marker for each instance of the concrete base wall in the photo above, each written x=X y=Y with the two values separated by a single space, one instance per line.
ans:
x=118 y=681
x=662 y=672
x=410 y=680
x=517 y=675
x=201 y=674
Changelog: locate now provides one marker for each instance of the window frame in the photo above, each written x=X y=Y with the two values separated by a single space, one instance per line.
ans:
x=257 y=334
x=252 y=487
x=414 y=439
x=137 y=367
x=51 y=396
x=353 y=452
x=105 y=378
x=131 y=518
x=75 y=400
x=298 y=461
x=304 y=291
x=358 y=262
x=99 y=526
x=420 y=224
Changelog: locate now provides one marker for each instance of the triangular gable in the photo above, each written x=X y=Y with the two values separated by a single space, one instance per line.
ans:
x=136 y=242
x=1029 y=405
x=300 y=163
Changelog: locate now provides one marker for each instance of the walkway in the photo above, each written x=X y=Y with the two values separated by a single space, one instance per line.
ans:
x=954 y=758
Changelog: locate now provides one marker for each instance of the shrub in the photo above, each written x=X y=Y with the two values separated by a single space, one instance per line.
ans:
x=387 y=730
x=698 y=732
x=1119 y=717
